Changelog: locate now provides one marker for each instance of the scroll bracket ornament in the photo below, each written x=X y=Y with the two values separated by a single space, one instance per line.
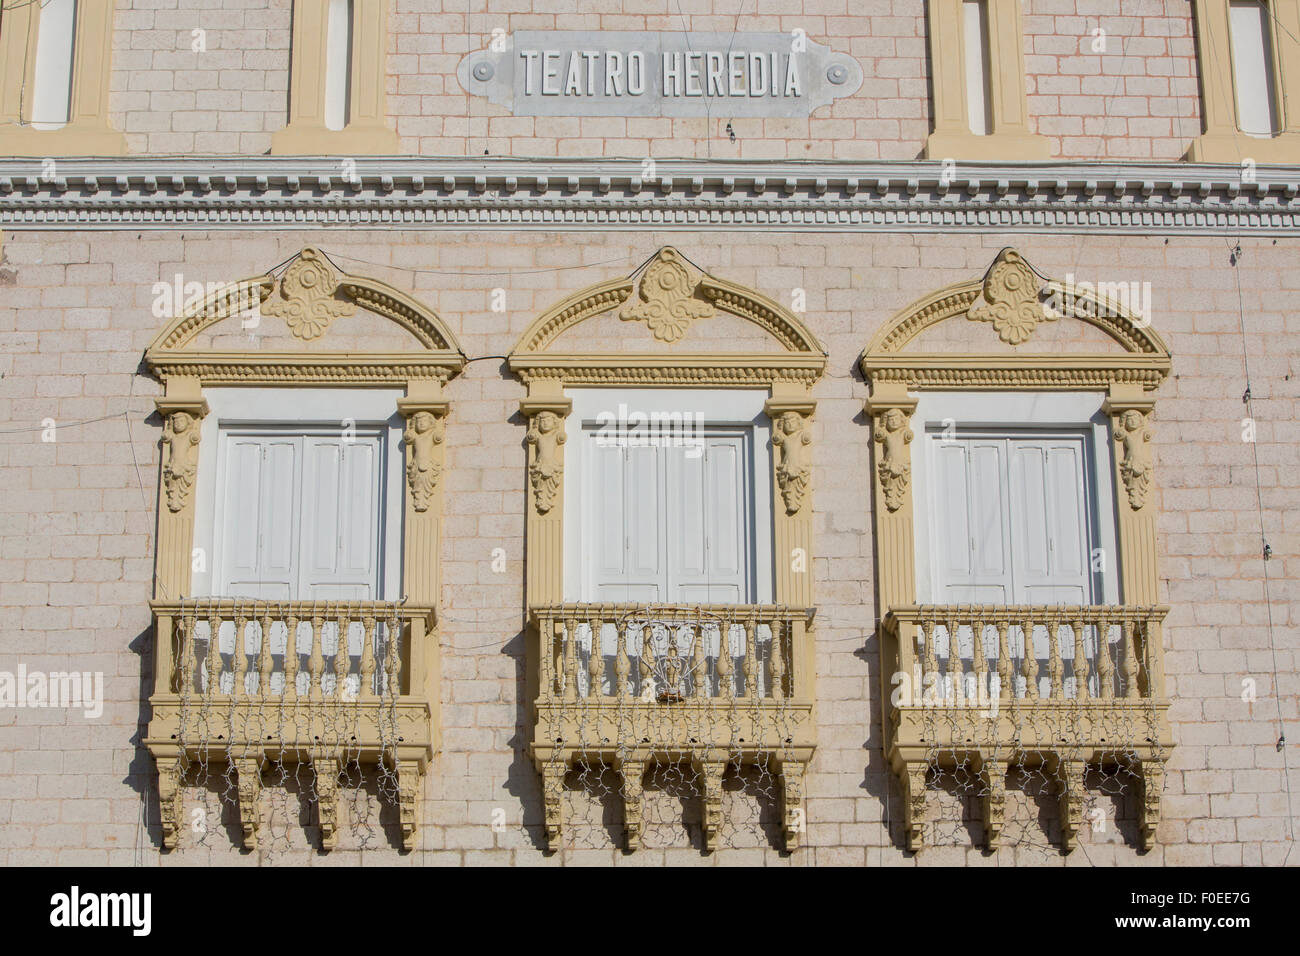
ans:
x=426 y=429
x=180 y=448
x=667 y=298
x=546 y=438
x=792 y=438
x=1011 y=299
x=306 y=296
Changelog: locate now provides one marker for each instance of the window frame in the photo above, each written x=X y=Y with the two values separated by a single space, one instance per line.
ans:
x=87 y=131
x=1221 y=139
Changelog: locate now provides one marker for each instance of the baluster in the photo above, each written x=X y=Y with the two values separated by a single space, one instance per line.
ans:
x=341 y=661
x=1029 y=663
x=214 y=652
x=956 y=671
x=291 y=656
x=647 y=662
x=1130 y=659
x=367 y=668
x=1005 y=689
x=570 y=682
x=316 y=660
x=622 y=663
x=1105 y=670
x=931 y=651
x=1081 y=669
x=725 y=687
x=394 y=658
x=265 y=665
x=239 y=657
x=699 y=671
x=546 y=627
x=1055 y=666
x=187 y=626
x=596 y=661
x=777 y=664
x=751 y=659
x=924 y=662
x=981 y=663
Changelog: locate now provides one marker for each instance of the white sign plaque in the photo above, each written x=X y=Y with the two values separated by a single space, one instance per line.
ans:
x=585 y=73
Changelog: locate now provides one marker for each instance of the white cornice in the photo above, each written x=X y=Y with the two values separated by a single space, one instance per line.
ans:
x=520 y=194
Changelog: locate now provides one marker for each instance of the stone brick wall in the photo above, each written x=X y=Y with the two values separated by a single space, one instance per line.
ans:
x=76 y=533
x=1135 y=99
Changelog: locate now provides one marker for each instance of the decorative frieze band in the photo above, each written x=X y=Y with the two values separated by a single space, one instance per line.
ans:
x=412 y=192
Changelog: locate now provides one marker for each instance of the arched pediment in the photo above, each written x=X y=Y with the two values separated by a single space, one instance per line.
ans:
x=1013 y=302
x=309 y=295
x=668 y=297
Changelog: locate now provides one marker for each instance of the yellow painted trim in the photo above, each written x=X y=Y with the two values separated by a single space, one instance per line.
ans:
x=1221 y=140
x=1064 y=733
x=366 y=132
x=87 y=132
x=1011 y=137
x=308 y=294
x=667 y=298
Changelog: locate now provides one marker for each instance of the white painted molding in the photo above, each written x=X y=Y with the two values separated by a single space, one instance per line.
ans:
x=515 y=194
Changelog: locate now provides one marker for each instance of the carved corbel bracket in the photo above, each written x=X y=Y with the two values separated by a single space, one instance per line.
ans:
x=1153 y=785
x=891 y=411
x=410 y=791
x=710 y=772
x=249 y=774
x=182 y=418
x=553 y=802
x=171 y=802
x=792 y=438
x=546 y=438
x=913 y=780
x=327 y=801
x=633 y=773
x=1069 y=782
x=793 y=821
x=426 y=429
x=995 y=802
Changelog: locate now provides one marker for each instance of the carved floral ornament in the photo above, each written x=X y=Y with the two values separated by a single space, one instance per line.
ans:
x=306 y=296
x=668 y=304
x=1011 y=299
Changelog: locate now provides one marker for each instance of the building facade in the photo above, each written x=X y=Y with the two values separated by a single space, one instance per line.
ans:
x=816 y=433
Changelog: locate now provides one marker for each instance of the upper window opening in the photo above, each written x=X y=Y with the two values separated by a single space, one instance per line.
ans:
x=978 y=100
x=1252 y=64
x=52 y=96
x=338 y=64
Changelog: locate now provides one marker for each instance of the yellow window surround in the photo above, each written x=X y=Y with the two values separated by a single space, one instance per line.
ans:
x=1009 y=137
x=241 y=707
x=1124 y=722
x=628 y=733
x=87 y=131
x=1222 y=140
x=366 y=131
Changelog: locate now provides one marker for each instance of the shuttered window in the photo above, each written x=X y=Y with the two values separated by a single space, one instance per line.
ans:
x=301 y=515
x=669 y=523
x=1013 y=519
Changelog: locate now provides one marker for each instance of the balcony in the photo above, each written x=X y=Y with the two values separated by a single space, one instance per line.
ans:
x=967 y=689
x=712 y=686
x=247 y=701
